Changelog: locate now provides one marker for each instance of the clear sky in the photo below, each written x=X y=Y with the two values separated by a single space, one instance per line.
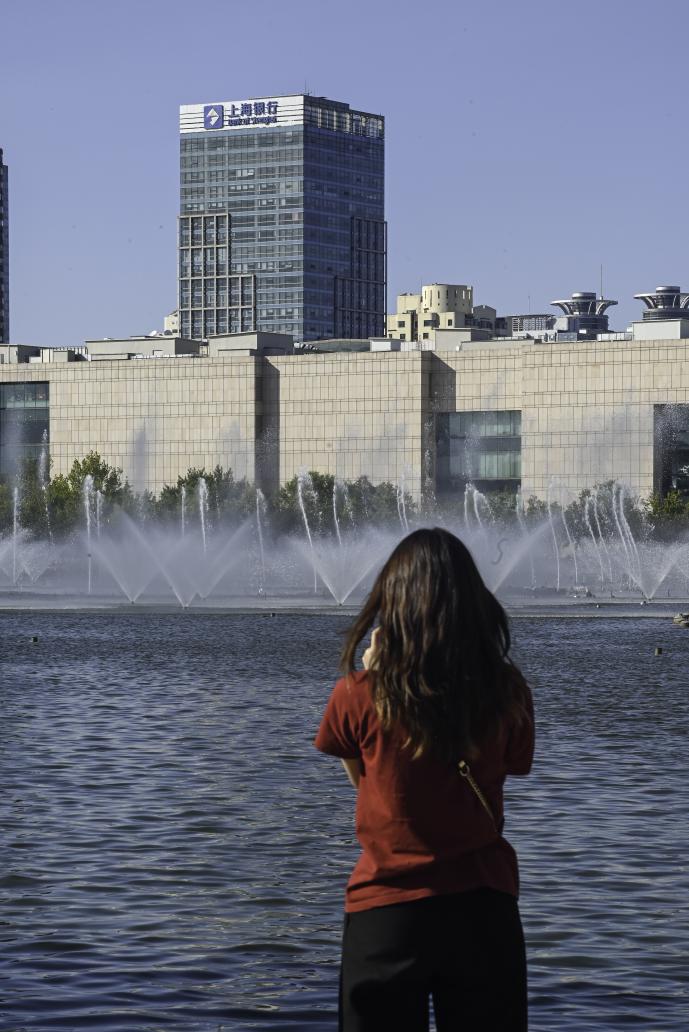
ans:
x=527 y=143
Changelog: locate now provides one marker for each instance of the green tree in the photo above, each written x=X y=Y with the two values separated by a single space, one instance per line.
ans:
x=377 y=504
x=65 y=494
x=6 y=507
x=65 y=506
x=604 y=501
x=536 y=509
x=317 y=495
x=368 y=504
x=668 y=515
x=106 y=479
x=228 y=499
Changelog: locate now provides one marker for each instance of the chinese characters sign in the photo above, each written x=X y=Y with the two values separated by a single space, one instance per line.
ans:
x=254 y=112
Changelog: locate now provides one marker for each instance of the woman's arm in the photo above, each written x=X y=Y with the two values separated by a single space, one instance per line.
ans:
x=353 y=768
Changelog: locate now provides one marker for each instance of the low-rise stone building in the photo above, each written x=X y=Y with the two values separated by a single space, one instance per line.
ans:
x=502 y=413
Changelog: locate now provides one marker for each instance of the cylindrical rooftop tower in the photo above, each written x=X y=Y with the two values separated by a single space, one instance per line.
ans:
x=585 y=313
x=665 y=303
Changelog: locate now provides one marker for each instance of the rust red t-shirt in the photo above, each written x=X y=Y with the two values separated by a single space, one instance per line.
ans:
x=421 y=828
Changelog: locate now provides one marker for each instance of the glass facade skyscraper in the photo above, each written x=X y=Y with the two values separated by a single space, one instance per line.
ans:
x=282 y=224
x=4 y=257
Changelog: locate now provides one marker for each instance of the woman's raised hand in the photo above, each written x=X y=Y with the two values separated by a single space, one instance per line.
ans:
x=370 y=652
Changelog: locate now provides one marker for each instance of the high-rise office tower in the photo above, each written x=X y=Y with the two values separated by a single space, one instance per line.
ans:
x=282 y=224
x=4 y=257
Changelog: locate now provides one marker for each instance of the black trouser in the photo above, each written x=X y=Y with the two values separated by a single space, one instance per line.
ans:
x=466 y=951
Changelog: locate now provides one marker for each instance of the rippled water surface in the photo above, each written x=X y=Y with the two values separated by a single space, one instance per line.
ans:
x=173 y=851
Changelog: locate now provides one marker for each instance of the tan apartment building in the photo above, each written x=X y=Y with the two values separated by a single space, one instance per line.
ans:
x=439 y=306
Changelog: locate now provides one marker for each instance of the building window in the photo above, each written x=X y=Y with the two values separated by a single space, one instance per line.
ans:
x=671 y=449
x=24 y=424
x=482 y=448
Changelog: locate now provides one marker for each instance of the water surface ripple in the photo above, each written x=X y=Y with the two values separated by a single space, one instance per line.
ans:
x=174 y=851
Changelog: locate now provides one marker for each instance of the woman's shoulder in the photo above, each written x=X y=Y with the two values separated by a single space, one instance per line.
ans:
x=353 y=687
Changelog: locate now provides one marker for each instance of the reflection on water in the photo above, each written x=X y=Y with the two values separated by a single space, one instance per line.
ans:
x=174 y=851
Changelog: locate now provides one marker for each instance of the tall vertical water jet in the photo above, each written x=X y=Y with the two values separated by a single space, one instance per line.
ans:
x=15 y=533
x=304 y=480
x=552 y=530
x=588 y=503
x=601 y=537
x=183 y=494
x=347 y=502
x=99 y=512
x=336 y=519
x=402 y=504
x=260 y=513
x=570 y=541
x=203 y=508
x=630 y=538
x=43 y=481
x=88 y=495
x=466 y=508
x=479 y=499
x=477 y=511
x=521 y=520
x=623 y=538
x=43 y=460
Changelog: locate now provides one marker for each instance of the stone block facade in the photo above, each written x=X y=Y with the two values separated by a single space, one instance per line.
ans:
x=587 y=411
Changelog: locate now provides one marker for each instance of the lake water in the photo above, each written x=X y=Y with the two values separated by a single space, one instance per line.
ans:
x=174 y=851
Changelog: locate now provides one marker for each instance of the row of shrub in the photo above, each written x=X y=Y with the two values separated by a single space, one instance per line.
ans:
x=56 y=505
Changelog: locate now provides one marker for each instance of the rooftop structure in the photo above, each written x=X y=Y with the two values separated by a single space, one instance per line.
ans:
x=531 y=324
x=584 y=315
x=665 y=303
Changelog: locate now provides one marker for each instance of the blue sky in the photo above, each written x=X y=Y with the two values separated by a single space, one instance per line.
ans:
x=527 y=144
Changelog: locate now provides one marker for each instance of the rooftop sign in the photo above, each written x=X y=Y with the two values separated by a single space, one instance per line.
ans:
x=238 y=114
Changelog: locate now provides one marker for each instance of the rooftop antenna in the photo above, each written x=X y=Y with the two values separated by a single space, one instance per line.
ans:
x=601 y=281
x=529 y=297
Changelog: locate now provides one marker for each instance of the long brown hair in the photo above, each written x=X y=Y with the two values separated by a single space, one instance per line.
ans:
x=441 y=668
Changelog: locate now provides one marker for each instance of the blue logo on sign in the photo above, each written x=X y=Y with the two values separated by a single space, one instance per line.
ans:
x=213 y=116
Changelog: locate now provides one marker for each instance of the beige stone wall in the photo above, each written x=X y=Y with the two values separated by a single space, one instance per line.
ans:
x=587 y=408
x=587 y=412
x=352 y=415
x=154 y=418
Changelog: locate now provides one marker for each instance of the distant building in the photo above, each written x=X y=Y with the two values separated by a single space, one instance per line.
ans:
x=439 y=306
x=438 y=414
x=531 y=324
x=282 y=224
x=171 y=323
x=4 y=256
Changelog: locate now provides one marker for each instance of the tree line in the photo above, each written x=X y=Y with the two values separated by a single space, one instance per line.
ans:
x=55 y=505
